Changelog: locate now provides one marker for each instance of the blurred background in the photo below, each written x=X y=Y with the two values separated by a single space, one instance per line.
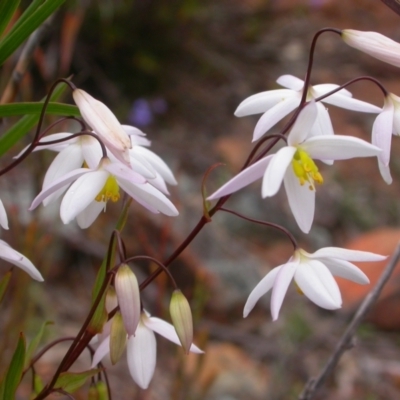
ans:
x=177 y=69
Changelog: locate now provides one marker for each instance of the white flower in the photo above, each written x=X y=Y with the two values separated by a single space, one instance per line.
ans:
x=313 y=274
x=102 y=120
x=386 y=124
x=142 y=348
x=374 y=44
x=12 y=256
x=276 y=104
x=87 y=196
x=294 y=166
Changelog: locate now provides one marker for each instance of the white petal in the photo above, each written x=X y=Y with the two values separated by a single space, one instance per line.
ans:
x=346 y=269
x=319 y=90
x=7 y=253
x=262 y=287
x=158 y=163
x=322 y=125
x=261 y=102
x=67 y=160
x=276 y=170
x=318 y=284
x=132 y=130
x=81 y=193
x=141 y=354
x=86 y=217
x=349 y=103
x=301 y=201
x=242 y=179
x=338 y=147
x=382 y=131
x=147 y=194
x=168 y=331
x=290 y=82
x=159 y=183
x=91 y=151
x=102 y=350
x=57 y=184
x=303 y=124
x=274 y=115
x=281 y=284
x=57 y=146
x=3 y=216
x=385 y=172
x=346 y=254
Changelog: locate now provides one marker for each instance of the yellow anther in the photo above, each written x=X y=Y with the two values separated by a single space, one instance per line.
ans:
x=110 y=190
x=305 y=169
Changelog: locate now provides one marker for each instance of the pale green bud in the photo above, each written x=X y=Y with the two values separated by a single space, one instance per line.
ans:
x=117 y=338
x=181 y=316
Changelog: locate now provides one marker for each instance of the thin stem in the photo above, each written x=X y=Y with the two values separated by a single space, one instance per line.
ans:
x=347 y=338
x=265 y=223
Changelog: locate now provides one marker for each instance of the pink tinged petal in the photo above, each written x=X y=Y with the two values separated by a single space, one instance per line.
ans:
x=57 y=184
x=3 y=216
x=382 y=131
x=346 y=254
x=244 y=178
x=158 y=164
x=86 y=217
x=141 y=354
x=275 y=114
x=121 y=171
x=128 y=293
x=281 y=284
x=338 y=147
x=318 y=284
x=374 y=44
x=261 y=102
x=81 y=193
x=290 y=82
x=385 y=172
x=12 y=256
x=262 y=288
x=346 y=270
x=168 y=331
x=276 y=170
x=149 y=197
x=303 y=125
x=102 y=350
x=301 y=201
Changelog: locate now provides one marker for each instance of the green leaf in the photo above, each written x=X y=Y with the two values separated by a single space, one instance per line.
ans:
x=4 y=284
x=26 y=14
x=21 y=31
x=7 y=10
x=35 y=343
x=14 y=373
x=25 y=124
x=71 y=381
x=8 y=110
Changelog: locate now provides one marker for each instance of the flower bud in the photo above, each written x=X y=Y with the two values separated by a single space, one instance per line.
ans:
x=117 y=338
x=102 y=390
x=181 y=315
x=128 y=294
x=374 y=44
x=104 y=123
x=3 y=216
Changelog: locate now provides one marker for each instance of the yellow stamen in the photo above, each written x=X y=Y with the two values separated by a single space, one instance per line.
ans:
x=305 y=169
x=110 y=190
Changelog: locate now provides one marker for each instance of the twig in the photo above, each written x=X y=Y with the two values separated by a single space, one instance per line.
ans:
x=347 y=339
x=393 y=4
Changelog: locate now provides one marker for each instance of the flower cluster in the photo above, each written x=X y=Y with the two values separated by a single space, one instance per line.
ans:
x=311 y=138
x=89 y=178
